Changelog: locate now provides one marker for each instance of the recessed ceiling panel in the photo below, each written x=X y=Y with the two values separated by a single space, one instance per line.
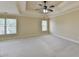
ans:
x=35 y=4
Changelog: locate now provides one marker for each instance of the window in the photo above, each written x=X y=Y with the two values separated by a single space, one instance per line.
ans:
x=7 y=26
x=44 y=25
x=10 y=26
x=2 y=26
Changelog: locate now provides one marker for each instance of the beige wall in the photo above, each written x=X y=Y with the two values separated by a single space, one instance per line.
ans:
x=26 y=27
x=68 y=25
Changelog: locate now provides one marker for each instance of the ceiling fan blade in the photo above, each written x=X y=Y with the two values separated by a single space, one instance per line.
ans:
x=50 y=10
x=52 y=6
x=40 y=4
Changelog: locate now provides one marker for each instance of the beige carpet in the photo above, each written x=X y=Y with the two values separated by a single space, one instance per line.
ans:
x=44 y=46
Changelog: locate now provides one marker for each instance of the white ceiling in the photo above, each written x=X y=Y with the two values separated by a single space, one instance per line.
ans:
x=27 y=8
x=65 y=7
x=35 y=4
x=8 y=7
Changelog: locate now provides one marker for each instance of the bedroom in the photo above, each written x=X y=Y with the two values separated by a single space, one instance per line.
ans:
x=39 y=28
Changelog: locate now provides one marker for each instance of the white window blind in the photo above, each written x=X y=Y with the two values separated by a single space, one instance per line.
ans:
x=2 y=26
x=10 y=26
x=7 y=26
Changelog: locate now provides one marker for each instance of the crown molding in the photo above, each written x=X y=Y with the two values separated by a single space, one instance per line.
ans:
x=64 y=8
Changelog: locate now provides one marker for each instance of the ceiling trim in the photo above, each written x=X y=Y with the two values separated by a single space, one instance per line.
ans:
x=64 y=8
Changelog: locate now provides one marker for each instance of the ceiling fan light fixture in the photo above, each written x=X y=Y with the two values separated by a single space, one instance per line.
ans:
x=45 y=11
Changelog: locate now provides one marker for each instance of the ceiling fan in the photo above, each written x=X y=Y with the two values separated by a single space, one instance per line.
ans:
x=45 y=8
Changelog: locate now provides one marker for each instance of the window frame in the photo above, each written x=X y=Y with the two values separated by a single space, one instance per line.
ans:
x=46 y=26
x=5 y=27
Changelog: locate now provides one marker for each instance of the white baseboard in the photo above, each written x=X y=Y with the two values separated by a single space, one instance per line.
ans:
x=66 y=38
